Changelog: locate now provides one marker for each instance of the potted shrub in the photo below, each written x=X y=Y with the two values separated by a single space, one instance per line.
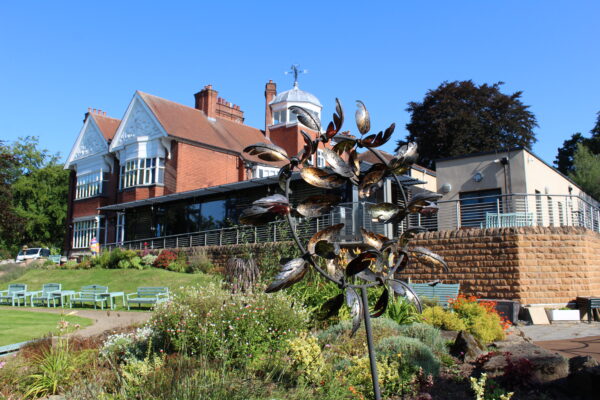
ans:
x=563 y=314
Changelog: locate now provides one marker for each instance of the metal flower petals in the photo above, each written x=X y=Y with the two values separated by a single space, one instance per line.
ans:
x=360 y=268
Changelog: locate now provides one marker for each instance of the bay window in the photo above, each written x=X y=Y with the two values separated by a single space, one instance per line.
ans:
x=88 y=185
x=142 y=171
x=84 y=231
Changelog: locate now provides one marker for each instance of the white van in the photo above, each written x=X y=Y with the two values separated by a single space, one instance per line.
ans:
x=32 y=254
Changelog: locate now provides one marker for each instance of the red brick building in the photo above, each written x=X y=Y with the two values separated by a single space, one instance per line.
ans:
x=161 y=148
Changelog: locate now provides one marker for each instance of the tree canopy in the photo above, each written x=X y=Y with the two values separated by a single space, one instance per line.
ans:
x=565 y=157
x=461 y=117
x=586 y=170
x=35 y=187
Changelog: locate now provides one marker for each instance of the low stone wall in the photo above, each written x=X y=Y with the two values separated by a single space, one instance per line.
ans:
x=533 y=265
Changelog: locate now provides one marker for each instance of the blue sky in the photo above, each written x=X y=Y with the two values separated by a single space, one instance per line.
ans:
x=59 y=58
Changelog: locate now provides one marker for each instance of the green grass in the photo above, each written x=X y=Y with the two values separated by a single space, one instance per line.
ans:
x=117 y=280
x=20 y=326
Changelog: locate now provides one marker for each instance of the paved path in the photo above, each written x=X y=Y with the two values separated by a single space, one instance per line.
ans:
x=569 y=339
x=586 y=346
x=103 y=320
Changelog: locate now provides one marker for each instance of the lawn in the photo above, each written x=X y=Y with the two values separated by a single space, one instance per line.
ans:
x=117 y=280
x=20 y=326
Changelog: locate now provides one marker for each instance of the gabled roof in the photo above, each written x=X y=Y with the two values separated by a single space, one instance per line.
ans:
x=188 y=123
x=107 y=125
x=91 y=140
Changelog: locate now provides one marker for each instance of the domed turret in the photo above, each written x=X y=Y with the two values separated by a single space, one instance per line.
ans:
x=281 y=103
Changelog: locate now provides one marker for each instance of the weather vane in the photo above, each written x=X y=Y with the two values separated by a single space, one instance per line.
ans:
x=294 y=70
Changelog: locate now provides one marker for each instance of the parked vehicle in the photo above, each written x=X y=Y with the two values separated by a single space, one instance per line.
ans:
x=33 y=254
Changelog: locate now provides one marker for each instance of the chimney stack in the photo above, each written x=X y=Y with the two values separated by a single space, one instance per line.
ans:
x=270 y=93
x=206 y=100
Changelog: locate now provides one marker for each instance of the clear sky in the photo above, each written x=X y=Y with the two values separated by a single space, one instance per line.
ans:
x=59 y=58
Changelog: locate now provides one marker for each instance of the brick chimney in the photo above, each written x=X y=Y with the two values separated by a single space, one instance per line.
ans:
x=206 y=100
x=270 y=93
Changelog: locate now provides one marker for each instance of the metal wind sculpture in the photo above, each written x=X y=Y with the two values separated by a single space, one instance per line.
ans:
x=383 y=257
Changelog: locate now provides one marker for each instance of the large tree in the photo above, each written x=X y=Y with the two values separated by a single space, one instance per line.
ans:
x=461 y=117
x=565 y=156
x=586 y=170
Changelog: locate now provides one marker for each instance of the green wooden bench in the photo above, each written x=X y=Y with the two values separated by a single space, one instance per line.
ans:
x=50 y=293
x=55 y=258
x=15 y=292
x=91 y=294
x=440 y=292
x=148 y=295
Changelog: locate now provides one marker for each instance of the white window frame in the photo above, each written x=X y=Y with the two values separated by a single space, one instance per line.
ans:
x=84 y=231
x=263 y=172
x=89 y=185
x=120 y=228
x=142 y=172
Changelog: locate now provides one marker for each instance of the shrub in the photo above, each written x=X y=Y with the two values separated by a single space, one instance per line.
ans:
x=443 y=319
x=177 y=266
x=427 y=334
x=121 y=346
x=71 y=264
x=306 y=358
x=148 y=260
x=412 y=351
x=481 y=319
x=165 y=258
x=402 y=311
x=233 y=328
x=198 y=261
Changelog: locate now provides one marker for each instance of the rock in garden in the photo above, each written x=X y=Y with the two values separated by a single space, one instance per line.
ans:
x=547 y=366
x=584 y=378
x=466 y=347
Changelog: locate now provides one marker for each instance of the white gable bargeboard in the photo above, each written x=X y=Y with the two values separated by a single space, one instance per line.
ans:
x=138 y=122
x=90 y=142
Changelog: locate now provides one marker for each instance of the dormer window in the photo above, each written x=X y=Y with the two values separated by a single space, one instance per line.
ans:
x=279 y=117
x=142 y=172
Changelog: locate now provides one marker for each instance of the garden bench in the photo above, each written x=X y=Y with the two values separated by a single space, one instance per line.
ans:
x=441 y=292
x=15 y=292
x=91 y=294
x=506 y=220
x=49 y=292
x=148 y=295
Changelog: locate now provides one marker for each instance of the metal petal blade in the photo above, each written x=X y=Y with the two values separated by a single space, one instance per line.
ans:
x=338 y=117
x=306 y=118
x=361 y=262
x=275 y=199
x=318 y=205
x=404 y=290
x=363 y=121
x=284 y=173
x=355 y=304
x=373 y=239
x=378 y=140
x=420 y=200
x=321 y=178
x=292 y=272
x=338 y=165
x=344 y=143
x=327 y=250
x=371 y=180
x=267 y=152
x=331 y=307
x=257 y=215
x=330 y=233
x=428 y=257
x=383 y=212
x=381 y=304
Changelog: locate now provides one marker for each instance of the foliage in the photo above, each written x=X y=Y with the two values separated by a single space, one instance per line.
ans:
x=402 y=311
x=121 y=346
x=236 y=328
x=148 y=260
x=427 y=334
x=306 y=357
x=481 y=318
x=444 y=319
x=411 y=350
x=485 y=389
x=586 y=170
x=566 y=154
x=198 y=261
x=165 y=258
x=312 y=292
x=462 y=117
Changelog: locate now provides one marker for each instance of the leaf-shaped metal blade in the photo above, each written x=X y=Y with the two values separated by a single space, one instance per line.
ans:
x=257 y=215
x=338 y=117
x=338 y=165
x=321 y=178
x=428 y=257
x=381 y=304
x=378 y=140
x=267 y=152
x=429 y=210
x=306 y=118
x=383 y=212
x=409 y=234
x=327 y=250
x=330 y=233
x=310 y=146
x=318 y=205
x=406 y=156
x=372 y=239
x=331 y=307
x=284 y=173
x=371 y=181
x=344 y=143
x=361 y=262
x=355 y=304
x=368 y=275
x=404 y=290
x=363 y=121
x=420 y=200
x=293 y=271
x=275 y=199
